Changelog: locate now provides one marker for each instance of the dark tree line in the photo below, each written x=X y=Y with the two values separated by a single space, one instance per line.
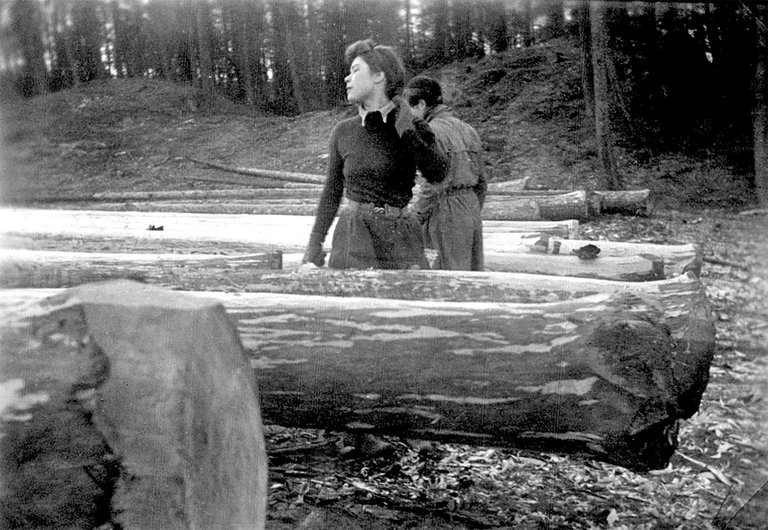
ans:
x=666 y=75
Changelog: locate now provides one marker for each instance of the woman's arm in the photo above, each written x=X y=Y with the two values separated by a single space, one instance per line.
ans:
x=430 y=157
x=330 y=199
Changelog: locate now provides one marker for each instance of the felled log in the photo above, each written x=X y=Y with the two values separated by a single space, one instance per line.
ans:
x=567 y=229
x=605 y=374
x=627 y=202
x=678 y=259
x=556 y=207
x=594 y=373
x=261 y=233
x=131 y=407
x=286 y=176
x=29 y=268
x=639 y=268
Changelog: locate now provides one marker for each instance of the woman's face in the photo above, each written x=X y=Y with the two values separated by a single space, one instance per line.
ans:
x=361 y=82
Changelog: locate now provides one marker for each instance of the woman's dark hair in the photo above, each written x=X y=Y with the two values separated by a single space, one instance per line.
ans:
x=379 y=59
x=426 y=88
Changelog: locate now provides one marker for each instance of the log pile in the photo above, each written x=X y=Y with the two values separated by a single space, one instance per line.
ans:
x=548 y=349
x=272 y=192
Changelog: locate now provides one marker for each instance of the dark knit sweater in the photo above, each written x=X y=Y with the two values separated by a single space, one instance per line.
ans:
x=375 y=165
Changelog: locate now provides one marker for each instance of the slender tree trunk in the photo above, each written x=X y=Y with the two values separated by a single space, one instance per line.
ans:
x=601 y=57
x=333 y=53
x=587 y=73
x=26 y=24
x=760 y=120
x=203 y=23
x=528 y=38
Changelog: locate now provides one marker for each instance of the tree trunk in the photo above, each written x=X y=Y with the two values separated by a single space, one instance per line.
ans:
x=25 y=269
x=26 y=24
x=184 y=231
x=587 y=74
x=526 y=204
x=601 y=55
x=760 y=114
x=265 y=173
x=555 y=207
x=628 y=269
x=205 y=52
x=31 y=268
x=678 y=259
x=612 y=382
x=258 y=233
x=134 y=397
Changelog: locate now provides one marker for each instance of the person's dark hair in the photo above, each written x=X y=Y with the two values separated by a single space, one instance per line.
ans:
x=379 y=59
x=426 y=88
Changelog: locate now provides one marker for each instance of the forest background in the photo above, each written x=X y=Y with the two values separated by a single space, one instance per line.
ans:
x=103 y=95
x=655 y=78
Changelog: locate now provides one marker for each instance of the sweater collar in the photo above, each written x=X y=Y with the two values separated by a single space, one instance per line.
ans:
x=384 y=111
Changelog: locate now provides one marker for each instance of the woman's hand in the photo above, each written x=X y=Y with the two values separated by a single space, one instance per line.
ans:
x=314 y=253
x=404 y=121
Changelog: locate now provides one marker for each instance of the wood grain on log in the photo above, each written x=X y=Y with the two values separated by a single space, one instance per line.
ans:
x=146 y=407
x=29 y=268
x=608 y=374
x=638 y=268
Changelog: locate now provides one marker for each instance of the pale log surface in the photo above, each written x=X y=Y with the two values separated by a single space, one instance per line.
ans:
x=38 y=229
x=608 y=374
x=558 y=207
x=175 y=439
x=30 y=268
x=629 y=269
x=677 y=259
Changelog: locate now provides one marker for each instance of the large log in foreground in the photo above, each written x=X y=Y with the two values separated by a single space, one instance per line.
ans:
x=600 y=374
x=127 y=406
x=593 y=374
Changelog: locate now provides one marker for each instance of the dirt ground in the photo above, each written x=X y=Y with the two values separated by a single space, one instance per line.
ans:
x=125 y=135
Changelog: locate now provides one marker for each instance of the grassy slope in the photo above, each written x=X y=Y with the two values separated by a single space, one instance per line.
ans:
x=134 y=134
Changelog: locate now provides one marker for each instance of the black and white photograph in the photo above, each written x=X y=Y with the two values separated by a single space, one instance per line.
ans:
x=383 y=264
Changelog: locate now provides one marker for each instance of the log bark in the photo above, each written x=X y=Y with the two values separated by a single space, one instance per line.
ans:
x=128 y=399
x=557 y=207
x=600 y=374
x=29 y=268
x=627 y=202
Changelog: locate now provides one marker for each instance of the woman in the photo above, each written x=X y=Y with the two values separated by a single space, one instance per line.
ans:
x=450 y=210
x=373 y=161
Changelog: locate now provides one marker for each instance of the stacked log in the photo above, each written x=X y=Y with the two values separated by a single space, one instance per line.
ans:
x=274 y=192
x=492 y=358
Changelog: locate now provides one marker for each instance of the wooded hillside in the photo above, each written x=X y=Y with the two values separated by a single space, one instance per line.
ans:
x=659 y=77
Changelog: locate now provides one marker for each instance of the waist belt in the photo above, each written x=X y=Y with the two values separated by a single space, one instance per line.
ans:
x=456 y=191
x=383 y=209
